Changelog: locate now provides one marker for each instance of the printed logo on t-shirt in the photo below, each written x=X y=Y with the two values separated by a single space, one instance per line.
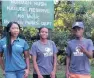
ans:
x=48 y=52
x=78 y=52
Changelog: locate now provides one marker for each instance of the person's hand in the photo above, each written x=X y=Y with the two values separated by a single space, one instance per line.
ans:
x=83 y=49
x=67 y=74
x=26 y=73
x=52 y=75
x=40 y=76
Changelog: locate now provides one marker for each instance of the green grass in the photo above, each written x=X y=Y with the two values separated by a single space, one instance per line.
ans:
x=60 y=73
x=92 y=72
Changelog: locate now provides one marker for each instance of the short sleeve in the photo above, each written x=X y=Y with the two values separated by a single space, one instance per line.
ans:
x=68 y=51
x=26 y=46
x=33 y=50
x=90 y=46
x=1 y=49
x=55 y=50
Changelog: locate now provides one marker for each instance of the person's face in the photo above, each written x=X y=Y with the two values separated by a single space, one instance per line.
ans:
x=14 y=30
x=44 y=33
x=78 y=32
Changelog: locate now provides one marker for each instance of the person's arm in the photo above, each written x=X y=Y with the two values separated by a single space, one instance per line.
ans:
x=53 y=73
x=55 y=63
x=26 y=56
x=33 y=53
x=67 y=66
x=89 y=54
x=55 y=50
x=93 y=53
x=68 y=58
x=2 y=62
x=35 y=65
x=89 y=50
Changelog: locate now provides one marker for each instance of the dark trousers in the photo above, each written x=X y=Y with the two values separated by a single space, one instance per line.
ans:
x=44 y=76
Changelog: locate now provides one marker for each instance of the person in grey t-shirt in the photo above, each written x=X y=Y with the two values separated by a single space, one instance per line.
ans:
x=44 y=55
x=78 y=51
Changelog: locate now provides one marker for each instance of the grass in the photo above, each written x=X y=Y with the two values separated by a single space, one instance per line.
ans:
x=92 y=72
x=60 y=73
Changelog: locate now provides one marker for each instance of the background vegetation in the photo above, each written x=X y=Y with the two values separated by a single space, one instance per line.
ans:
x=65 y=13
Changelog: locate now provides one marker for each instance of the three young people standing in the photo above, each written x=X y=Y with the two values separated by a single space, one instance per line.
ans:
x=44 y=54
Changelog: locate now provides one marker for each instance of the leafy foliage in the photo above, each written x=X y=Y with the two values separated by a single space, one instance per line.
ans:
x=65 y=13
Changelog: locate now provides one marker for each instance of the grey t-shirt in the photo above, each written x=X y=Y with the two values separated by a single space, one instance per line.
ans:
x=79 y=63
x=44 y=54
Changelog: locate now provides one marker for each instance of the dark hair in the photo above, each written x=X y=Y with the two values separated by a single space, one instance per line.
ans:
x=8 y=37
x=42 y=28
x=79 y=20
